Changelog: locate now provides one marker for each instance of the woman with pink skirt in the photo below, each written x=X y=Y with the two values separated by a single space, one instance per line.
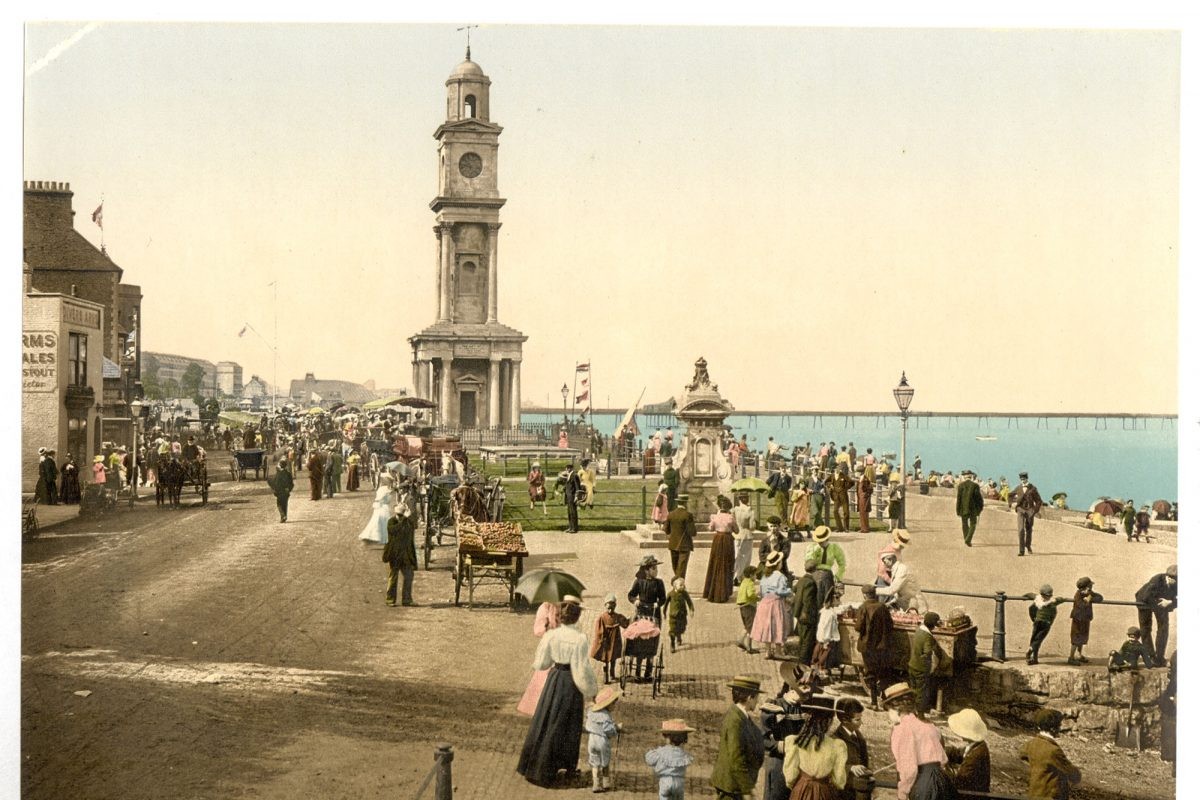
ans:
x=771 y=619
x=547 y=618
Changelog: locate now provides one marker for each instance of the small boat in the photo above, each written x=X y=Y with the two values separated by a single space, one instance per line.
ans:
x=986 y=438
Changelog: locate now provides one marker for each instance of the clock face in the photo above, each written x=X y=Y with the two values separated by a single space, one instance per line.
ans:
x=470 y=165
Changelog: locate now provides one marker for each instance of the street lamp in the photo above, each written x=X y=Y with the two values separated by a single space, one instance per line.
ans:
x=565 y=392
x=135 y=408
x=904 y=395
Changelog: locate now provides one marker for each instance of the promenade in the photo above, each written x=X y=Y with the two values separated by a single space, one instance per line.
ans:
x=227 y=655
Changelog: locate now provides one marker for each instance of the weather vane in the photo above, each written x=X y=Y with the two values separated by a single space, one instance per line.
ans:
x=467 y=28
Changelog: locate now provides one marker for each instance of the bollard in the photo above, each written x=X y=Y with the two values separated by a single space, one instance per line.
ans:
x=444 y=788
x=998 y=628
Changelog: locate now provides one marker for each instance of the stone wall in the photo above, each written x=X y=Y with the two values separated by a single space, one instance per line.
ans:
x=1092 y=699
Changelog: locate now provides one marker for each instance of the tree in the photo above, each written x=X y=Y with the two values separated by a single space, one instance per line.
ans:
x=193 y=376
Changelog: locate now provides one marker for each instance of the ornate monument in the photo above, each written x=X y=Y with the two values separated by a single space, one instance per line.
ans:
x=704 y=471
x=466 y=361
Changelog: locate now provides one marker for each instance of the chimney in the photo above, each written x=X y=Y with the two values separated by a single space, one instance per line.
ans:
x=49 y=202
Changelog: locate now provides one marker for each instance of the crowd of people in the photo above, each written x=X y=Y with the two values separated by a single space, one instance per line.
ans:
x=809 y=742
x=806 y=744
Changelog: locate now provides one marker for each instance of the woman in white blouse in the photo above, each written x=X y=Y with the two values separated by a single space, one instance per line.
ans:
x=552 y=743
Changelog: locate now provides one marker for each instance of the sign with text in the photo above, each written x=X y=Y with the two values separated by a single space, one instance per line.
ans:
x=39 y=357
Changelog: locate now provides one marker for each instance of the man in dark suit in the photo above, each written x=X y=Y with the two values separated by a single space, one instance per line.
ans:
x=400 y=552
x=839 y=496
x=969 y=505
x=874 y=626
x=670 y=477
x=923 y=661
x=858 y=757
x=48 y=471
x=1028 y=504
x=568 y=482
x=1158 y=600
x=740 y=749
x=805 y=610
x=681 y=533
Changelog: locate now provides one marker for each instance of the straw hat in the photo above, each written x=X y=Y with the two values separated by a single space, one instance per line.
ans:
x=606 y=697
x=649 y=561
x=747 y=683
x=98 y=460
x=793 y=673
x=968 y=724
x=610 y=598
x=775 y=559
x=676 y=726
x=896 y=691
x=901 y=537
x=821 y=533
x=570 y=598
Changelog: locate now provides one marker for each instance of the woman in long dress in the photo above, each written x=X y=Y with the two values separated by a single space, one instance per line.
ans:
x=546 y=619
x=537 y=486
x=382 y=510
x=743 y=540
x=718 y=582
x=771 y=617
x=659 y=512
x=552 y=743
x=70 y=481
x=799 y=515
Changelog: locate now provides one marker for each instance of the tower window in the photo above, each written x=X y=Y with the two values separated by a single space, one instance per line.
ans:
x=469 y=106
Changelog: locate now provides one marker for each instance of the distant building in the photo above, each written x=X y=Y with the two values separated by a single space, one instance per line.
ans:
x=255 y=389
x=229 y=378
x=313 y=392
x=166 y=367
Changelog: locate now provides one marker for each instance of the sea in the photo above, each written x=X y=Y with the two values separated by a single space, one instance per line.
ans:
x=1085 y=457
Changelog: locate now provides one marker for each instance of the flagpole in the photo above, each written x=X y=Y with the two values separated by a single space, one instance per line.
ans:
x=275 y=349
x=574 y=390
x=591 y=388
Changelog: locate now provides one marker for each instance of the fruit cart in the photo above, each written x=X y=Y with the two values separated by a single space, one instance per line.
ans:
x=488 y=553
x=956 y=636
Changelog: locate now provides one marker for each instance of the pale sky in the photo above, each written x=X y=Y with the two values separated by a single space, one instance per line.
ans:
x=811 y=209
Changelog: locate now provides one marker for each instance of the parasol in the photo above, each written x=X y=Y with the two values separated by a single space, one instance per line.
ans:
x=1161 y=508
x=548 y=586
x=749 y=484
x=1107 y=507
x=316 y=410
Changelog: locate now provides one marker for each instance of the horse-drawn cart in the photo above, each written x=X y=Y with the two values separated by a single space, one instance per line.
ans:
x=244 y=461
x=488 y=553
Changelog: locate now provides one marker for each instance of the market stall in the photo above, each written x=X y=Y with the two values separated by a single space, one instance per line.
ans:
x=955 y=635
x=488 y=553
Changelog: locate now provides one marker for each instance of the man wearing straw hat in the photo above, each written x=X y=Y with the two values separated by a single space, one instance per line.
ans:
x=740 y=748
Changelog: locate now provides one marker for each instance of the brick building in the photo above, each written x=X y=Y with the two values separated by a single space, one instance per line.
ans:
x=70 y=282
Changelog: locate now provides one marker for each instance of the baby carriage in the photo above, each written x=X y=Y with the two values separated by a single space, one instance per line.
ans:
x=643 y=642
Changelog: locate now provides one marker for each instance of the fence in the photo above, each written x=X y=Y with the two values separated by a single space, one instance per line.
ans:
x=618 y=505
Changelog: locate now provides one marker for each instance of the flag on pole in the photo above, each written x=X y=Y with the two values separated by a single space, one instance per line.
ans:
x=582 y=397
x=583 y=367
x=98 y=215
x=242 y=332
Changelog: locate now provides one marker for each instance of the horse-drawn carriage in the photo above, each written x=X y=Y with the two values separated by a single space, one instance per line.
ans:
x=245 y=461
x=175 y=473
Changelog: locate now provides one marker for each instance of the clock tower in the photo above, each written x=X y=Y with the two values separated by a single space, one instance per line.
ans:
x=466 y=361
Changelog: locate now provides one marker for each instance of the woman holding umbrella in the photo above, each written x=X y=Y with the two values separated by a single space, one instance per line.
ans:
x=552 y=743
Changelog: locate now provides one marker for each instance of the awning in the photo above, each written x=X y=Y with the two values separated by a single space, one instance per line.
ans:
x=380 y=403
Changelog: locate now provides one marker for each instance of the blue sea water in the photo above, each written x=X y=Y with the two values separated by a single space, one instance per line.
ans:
x=1086 y=457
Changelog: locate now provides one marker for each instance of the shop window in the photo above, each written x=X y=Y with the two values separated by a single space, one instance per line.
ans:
x=77 y=359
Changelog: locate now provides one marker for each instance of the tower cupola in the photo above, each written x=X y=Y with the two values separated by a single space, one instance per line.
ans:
x=467 y=92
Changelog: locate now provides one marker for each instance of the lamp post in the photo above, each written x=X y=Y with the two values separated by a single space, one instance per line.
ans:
x=135 y=408
x=566 y=390
x=904 y=395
